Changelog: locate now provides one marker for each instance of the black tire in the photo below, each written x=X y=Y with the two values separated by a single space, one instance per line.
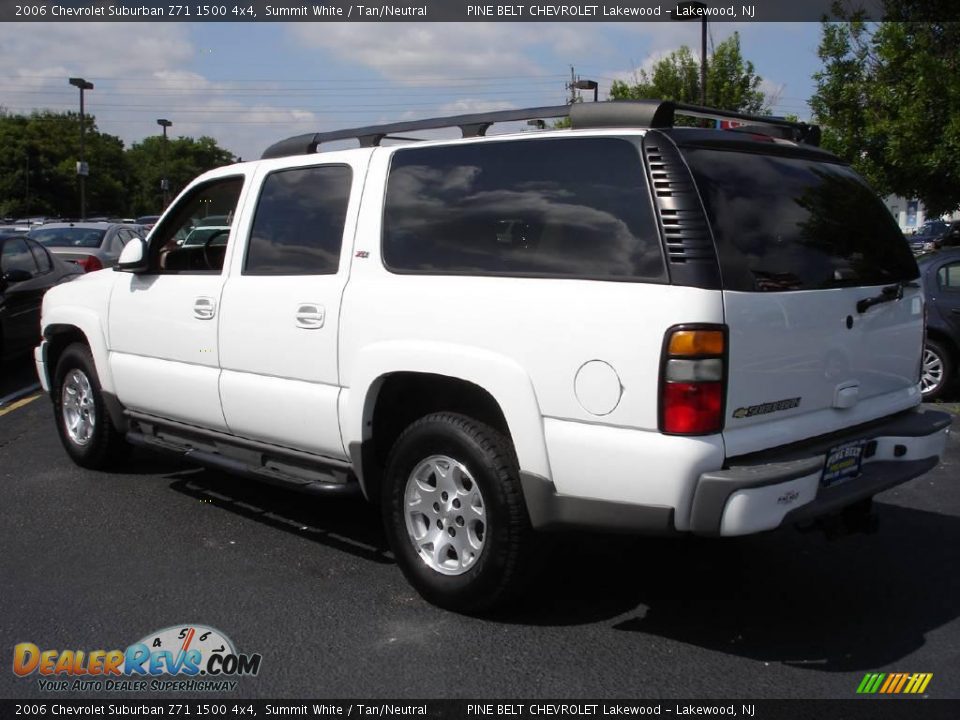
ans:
x=105 y=446
x=932 y=384
x=499 y=568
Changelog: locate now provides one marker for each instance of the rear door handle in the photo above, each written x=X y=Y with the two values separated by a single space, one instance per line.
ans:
x=204 y=308
x=955 y=311
x=310 y=316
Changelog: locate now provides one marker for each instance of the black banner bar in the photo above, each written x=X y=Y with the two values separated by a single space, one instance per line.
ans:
x=462 y=11
x=859 y=709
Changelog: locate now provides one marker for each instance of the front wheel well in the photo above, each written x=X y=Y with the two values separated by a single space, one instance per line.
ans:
x=59 y=338
x=404 y=398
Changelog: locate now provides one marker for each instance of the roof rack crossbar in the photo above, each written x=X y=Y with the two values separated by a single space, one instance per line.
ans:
x=618 y=113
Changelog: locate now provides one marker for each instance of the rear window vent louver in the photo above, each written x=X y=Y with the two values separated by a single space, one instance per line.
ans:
x=682 y=221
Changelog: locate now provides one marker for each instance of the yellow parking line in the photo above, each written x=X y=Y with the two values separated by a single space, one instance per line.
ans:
x=19 y=404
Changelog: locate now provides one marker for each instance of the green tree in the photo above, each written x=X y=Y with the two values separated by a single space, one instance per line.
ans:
x=732 y=83
x=180 y=161
x=888 y=98
x=38 y=166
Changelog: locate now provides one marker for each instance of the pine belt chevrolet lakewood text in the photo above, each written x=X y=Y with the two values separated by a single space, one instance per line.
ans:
x=622 y=325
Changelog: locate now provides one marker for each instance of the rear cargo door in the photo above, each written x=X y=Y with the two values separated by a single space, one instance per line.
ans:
x=820 y=295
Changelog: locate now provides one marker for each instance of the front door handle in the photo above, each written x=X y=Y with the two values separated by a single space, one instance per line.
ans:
x=310 y=316
x=955 y=311
x=204 y=308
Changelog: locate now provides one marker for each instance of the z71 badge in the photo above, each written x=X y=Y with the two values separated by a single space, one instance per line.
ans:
x=765 y=408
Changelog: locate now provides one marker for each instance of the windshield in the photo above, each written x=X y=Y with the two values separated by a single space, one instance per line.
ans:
x=787 y=223
x=69 y=237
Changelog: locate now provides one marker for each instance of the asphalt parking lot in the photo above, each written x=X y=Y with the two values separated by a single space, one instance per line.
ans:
x=93 y=560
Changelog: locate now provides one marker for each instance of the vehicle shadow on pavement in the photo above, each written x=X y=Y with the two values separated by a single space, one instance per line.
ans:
x=856 y=603
x=347 y=524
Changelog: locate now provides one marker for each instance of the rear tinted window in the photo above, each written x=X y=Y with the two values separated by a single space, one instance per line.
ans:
x=69 y=237
x=547 y=207
x=796 y=224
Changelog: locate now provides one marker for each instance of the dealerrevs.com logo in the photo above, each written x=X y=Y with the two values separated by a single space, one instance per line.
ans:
x=186 y=658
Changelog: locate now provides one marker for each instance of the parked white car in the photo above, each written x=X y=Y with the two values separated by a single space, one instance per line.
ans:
x=623 y=325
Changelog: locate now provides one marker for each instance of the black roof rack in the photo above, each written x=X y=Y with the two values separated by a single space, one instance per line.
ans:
x=610 y=114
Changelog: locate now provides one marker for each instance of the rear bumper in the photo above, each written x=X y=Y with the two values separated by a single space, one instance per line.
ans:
x=750 y=494
x=770 y=489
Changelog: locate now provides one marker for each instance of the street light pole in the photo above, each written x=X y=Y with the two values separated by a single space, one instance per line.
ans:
x=588 y=85
x=82 y=168
x=164 y=182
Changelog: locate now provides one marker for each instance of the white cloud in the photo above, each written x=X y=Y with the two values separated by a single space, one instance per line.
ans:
x=432 y=53
x=140 y=72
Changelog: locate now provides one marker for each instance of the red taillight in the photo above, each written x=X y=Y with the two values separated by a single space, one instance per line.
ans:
x=90 y=263
x=692 y=408
x=692 y=380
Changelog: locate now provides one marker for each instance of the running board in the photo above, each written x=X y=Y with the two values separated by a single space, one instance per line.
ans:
x=315 y=477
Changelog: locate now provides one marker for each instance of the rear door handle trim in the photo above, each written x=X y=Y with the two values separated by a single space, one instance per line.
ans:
x=204 y=308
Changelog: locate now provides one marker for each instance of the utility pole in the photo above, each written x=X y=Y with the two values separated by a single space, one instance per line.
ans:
x=703 y=61
x=577 y=84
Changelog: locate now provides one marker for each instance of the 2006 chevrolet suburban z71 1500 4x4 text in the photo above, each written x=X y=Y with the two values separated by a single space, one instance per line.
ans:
x=623 y=325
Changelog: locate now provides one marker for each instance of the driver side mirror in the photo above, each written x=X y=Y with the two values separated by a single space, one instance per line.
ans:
x=133 y=257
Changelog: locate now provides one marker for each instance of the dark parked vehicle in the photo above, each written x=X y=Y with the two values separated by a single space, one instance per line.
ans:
x=927 y=235
x=27 y=271
x=147 y=221
x=940 y=273
x=91 y=245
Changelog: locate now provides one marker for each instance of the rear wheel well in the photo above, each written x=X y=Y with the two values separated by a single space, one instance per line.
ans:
x=944 y=339
x=404 y=398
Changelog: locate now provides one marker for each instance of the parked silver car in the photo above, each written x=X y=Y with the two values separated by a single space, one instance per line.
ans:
x=91 y=245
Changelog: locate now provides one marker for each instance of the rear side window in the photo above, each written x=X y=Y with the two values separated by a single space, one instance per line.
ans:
x=41 y=256
x=575 y=208
x=784 y=223
x=948 y=277
x=298 y=228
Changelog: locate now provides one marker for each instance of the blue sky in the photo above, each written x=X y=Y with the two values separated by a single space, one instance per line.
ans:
x=248 y=85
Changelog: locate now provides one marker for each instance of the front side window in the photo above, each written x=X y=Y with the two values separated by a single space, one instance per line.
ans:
x=298 y=227
x=562 y=207
x=16 y=256
x=193 y=237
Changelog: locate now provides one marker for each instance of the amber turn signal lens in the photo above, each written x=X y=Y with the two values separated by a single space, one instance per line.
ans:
x=696 y=342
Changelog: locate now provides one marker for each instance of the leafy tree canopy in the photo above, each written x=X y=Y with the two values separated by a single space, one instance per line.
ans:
x=732 y=83
x=38 y=174
x=888 y=98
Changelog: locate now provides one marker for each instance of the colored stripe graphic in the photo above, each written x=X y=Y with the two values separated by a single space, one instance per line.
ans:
x=870 y=683
x=894 y=683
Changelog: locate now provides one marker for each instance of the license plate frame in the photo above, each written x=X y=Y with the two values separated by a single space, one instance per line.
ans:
x=843 y=463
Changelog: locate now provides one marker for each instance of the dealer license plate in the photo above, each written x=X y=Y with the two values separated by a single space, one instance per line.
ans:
x=843 y=463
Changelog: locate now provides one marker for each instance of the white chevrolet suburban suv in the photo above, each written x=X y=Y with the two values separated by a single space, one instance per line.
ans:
x=624 y=325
